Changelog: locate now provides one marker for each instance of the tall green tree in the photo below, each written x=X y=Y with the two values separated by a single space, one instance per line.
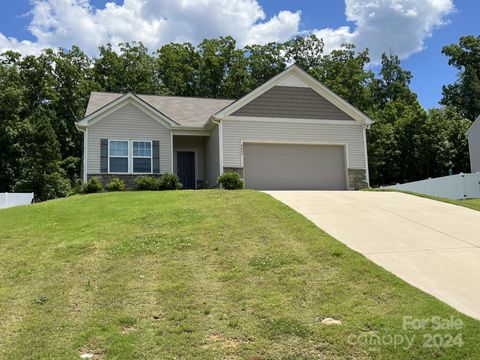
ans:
x=215 y=60
x=444 y=142
x=306 y=51
x=177 y=68
x=12 y=112
x=73 y=74
x=399 y=118
x=464 y=93
x=343 y=72
x=129 y=69
x=264 y=62
x=41 y=171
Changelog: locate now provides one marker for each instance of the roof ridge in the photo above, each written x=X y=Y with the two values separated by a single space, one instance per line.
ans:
x=162 y=96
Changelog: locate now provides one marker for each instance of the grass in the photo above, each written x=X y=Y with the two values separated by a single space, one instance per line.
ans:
x=468 y=203
x=199 y=275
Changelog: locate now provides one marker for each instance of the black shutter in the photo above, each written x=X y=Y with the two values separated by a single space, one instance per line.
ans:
x=156 y=156
x=104 y=155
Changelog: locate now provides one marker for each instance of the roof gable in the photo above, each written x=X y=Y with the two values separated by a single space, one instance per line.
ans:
x=292 y=102
x=186 y=111
x=120 y=102
x=299 y=80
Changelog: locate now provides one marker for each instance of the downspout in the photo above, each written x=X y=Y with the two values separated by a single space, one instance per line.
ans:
x=367 y=173
x=220 y=142
x=85 y=142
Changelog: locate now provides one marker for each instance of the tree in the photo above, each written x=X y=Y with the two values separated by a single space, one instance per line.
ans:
x=306 y=51
x=343 y=72
x=41 y=171
x=132 y=69
x=399 y=118
x=444 y=141
x=264 y=62
x=72 y=71
x=464 y=94
x=214 y=63
x=177 y=67
x=12 y=109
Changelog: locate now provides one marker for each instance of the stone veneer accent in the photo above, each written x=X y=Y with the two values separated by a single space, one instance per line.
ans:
x=239 y=171
x=128 y=179
x=357 y=179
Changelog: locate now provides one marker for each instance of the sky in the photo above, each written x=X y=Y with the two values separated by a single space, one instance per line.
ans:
x=416 y=30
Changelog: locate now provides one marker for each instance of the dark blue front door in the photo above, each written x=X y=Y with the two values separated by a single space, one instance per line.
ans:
x=186 y=168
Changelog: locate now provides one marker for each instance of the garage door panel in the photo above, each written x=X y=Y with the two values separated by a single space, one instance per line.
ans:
x=291 y=167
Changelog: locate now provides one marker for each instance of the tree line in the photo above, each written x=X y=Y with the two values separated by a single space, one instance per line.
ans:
x=41 y=98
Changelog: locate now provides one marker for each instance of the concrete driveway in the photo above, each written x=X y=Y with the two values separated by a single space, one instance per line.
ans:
x=430 y=244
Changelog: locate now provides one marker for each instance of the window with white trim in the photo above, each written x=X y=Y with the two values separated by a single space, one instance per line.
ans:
x=142 y=157
x=118 y=156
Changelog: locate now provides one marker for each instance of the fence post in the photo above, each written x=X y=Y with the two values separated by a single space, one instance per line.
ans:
x=6 y=199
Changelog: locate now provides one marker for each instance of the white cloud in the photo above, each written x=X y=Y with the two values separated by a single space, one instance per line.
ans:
x=154 y=22
x=382 y=25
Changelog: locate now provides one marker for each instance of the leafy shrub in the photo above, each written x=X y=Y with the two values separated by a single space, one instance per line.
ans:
x=230 y=181
x=92 y=186
x=116 y=184
x=46 y=186
x=147 y=183
x=77 y=187
x=55 y=186
x=169 y=181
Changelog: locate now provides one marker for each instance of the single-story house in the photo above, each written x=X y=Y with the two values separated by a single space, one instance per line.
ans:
x=289 y=133
x=473 y=135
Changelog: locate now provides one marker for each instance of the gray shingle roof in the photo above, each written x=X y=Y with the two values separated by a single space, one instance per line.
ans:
x=187 y=111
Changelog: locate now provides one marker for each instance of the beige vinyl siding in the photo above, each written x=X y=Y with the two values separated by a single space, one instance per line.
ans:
x=212 y=164
x=128 y=123
x=190 y=143
x=236 y=131
x=474 y=146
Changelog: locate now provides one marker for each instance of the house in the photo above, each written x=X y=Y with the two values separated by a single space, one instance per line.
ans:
x=290 y=133
x=473 y=135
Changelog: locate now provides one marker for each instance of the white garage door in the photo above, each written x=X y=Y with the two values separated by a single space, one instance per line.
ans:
x=294 y=167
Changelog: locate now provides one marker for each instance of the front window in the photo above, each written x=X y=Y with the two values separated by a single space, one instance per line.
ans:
x=142 y=156
x=118 y=156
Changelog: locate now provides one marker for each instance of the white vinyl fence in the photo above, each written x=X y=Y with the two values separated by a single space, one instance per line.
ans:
x=14 y=199
x=461 y=186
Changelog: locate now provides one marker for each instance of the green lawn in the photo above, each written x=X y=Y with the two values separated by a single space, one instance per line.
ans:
x=199 y=274
x=468 y=203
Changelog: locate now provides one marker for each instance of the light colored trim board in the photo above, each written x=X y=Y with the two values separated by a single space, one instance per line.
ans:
x=143 y=157
x=220 y=144
x=130 y=158
x=85 y=155
x=191 y=132
x=171 y=152
x=310 y=81
x=345 y=149
x=365 y=149
x=195 y=155
x=292 y=81
x=293 y=120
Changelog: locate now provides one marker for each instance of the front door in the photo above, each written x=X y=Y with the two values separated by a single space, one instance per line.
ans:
x=186 y=168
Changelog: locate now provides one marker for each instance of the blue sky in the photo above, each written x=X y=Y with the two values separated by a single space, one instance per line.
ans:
x=416 y=30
